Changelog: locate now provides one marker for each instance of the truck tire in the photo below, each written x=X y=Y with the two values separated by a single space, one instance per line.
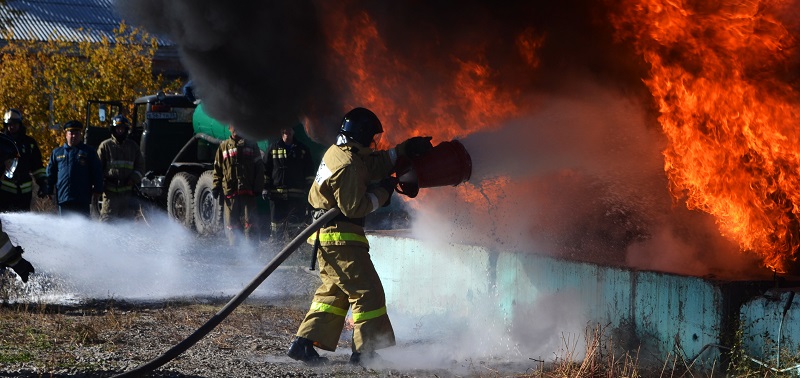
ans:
x=207 y=210
x=180 y=198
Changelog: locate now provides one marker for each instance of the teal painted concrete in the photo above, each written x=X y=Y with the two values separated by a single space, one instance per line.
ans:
x=766 y=330
x=661 y=315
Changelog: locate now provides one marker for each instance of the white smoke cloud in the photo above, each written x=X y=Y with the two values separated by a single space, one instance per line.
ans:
x=79 y=258
x=580 y=177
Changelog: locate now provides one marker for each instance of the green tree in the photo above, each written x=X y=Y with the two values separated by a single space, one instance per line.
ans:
x=51 y=82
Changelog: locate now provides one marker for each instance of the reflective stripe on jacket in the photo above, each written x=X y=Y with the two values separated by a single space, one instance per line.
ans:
x=29 y=165
x=238 y=168
x=16 y=188
x=122 y=164
x=341 y=181
x=5 y=246
x=289 y=169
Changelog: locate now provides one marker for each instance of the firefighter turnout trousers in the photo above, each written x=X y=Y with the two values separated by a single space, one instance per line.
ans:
x=116 y=205
x=349 y=280
x=240 y=216
x=287 y=215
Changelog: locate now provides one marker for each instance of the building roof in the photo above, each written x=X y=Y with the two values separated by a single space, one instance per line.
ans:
x=71 y=20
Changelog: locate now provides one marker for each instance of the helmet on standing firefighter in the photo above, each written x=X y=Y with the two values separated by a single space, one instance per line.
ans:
x=12 y=117
x=120 y=121
x=360 y=125
x=8 y=155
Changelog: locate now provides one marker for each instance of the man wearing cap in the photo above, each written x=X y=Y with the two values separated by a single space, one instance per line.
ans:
x=75 y=172
x=16 y=191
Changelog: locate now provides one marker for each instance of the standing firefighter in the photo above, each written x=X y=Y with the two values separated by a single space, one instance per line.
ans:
x=122 y=170
x=11 y=256
x=74 y=172
x=289 y=173
x=16 y=191
x=354 y=178
x=239 y=177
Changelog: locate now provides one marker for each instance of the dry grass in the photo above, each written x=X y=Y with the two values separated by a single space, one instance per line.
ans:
x=596 y=359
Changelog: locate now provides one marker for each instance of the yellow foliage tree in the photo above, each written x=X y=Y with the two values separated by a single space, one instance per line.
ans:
x=51 y=82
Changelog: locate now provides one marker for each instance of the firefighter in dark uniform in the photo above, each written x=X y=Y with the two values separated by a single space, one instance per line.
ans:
x=238 y=177
x=16 y=191
x=354 y=178
x=289 y=173
x=123 y=164
x=74 y=172
x=10 y=255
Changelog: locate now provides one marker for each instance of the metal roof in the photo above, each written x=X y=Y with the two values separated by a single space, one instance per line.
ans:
x=71 y=20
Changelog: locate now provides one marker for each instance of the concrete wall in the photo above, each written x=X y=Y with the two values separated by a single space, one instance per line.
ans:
x=527 y=296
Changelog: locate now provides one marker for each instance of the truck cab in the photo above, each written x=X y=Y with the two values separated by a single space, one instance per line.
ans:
x=161 y=124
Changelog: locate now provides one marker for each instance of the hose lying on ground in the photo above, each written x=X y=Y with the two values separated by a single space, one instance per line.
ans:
x=234 y=302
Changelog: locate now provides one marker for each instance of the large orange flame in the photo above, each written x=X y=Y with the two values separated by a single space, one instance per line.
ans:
x=717 y=73
x=407 y=98
x=732 y=122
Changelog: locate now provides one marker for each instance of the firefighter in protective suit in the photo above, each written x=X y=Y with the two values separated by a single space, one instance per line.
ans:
x=239 y=177
x=16 y=191
x=11 y=256
x=123 y=164
x=356 y=179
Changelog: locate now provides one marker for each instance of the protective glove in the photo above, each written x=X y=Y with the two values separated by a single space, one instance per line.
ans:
x=265 y=194
x=20 y=266
x=215 y=192
x=414 y=147
x=388 y=184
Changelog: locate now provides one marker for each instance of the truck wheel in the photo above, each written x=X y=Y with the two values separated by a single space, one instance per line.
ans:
x=179 y=198
x=207 y=211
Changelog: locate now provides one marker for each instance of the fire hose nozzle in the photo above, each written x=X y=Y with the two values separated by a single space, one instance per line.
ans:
x=447 y=164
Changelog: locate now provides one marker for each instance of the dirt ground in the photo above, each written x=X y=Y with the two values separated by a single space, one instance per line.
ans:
x=105 y=338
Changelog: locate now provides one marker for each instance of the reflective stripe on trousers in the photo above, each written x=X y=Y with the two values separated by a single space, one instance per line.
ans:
x=349 y=280
x=337 y=237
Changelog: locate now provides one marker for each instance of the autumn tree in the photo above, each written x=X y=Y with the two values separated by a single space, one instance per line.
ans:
x=51 y=81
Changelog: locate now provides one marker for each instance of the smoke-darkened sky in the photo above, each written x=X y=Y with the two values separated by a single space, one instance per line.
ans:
x=266 y=64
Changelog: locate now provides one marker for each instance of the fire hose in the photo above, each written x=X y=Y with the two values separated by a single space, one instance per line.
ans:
x=223 y=313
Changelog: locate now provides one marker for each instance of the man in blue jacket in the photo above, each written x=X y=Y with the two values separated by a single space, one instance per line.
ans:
x=75 y=172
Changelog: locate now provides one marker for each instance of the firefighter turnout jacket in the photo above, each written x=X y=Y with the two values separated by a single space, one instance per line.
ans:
x=289 y=170
x=238 y=168
x=342 y=181
x=75 y=173
x=7 y=252
x=349 y=279
x=29 y=165
x=122 y=164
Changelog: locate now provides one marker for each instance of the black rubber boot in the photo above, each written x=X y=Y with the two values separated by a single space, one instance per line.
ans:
x=366 y=359
x=302 y=349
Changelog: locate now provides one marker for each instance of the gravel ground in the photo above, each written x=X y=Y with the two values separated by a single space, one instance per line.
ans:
x=102 y=338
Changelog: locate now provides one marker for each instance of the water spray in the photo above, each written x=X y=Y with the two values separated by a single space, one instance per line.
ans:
x=223 y=313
